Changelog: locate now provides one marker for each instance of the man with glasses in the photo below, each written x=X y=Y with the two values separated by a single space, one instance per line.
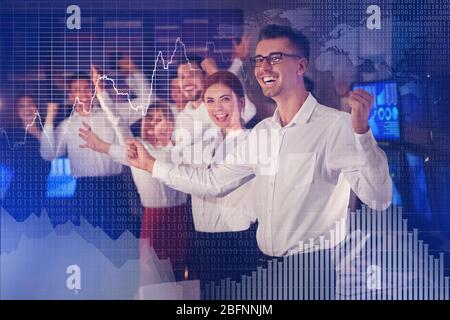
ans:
x=317 y=156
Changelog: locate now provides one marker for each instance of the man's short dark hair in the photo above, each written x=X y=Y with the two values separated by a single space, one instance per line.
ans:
x=297 y=38
x=79 y=76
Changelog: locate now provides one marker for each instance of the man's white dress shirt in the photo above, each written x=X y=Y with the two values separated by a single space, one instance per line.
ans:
x=302 y=176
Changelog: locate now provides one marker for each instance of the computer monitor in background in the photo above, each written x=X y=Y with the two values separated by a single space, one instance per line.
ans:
x=399 y=182
x=60 y=183
x=384 y=119
x=6 y=175
x=416 y=113
x=418 y=185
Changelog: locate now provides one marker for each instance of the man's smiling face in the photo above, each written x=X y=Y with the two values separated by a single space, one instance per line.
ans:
x=277 y=78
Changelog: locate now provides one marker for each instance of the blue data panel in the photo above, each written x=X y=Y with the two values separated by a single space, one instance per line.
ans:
x=60 y=183
x=6 y=175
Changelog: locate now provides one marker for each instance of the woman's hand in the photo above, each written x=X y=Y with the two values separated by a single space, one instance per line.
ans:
x=93 y=142
x=138 y=156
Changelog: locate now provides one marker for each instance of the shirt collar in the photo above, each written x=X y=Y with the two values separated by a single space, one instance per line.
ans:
x=302 y=115
x=190 y=106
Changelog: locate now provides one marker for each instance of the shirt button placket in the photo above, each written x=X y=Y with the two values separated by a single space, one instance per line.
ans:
x=269 y=214
x=271 y=196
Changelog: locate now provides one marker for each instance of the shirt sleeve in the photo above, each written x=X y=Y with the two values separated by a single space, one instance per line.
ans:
x=362 y=162
x=121 y=126
x=53 y=142
x=216 y=180
x=118 y=153
x=238 y=221
x=243 y=214
x=129 y=111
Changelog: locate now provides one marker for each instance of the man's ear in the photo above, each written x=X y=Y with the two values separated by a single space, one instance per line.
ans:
x=301 y=66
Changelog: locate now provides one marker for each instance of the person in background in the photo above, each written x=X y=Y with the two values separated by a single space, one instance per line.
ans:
x=176 y=97
x=100 y=186
x=165 y=225
x=129 y=104
x=26 y=194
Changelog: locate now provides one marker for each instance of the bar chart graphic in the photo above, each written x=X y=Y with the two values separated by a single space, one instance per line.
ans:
x=379 y=260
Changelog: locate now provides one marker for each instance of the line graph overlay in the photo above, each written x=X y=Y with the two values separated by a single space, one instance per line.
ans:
x=142 y=108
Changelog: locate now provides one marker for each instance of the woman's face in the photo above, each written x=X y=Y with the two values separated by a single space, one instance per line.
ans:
x=156 y=128
x=224 y=107
x=26 y=109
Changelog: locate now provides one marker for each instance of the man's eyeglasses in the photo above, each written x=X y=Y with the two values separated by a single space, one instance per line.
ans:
x=273 y=58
